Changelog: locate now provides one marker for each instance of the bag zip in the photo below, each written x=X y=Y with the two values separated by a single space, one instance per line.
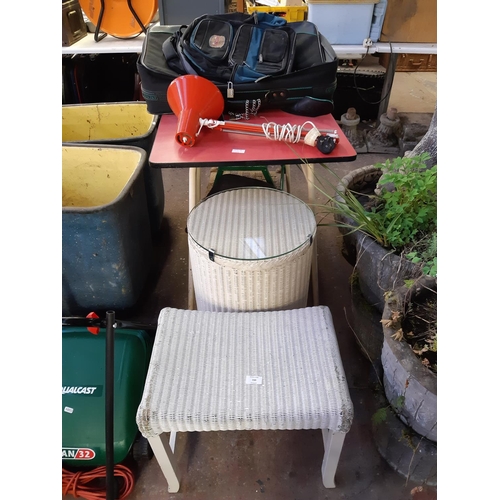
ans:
x=230 y=84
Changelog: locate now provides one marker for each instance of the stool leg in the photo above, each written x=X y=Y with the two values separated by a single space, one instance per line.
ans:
x=166 y=461
x=333 y=446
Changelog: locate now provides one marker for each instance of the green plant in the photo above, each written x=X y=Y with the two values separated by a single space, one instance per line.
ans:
x=425 y=253
x=408 y=210
x=402 y=213
x=381 y=414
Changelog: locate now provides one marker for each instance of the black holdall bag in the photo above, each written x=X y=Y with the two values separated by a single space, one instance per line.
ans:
x=257 y=61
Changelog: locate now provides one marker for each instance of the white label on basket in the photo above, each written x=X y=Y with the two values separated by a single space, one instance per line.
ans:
x=253 y=379
x=241 y=151
x=255 y=245
x=67 y=409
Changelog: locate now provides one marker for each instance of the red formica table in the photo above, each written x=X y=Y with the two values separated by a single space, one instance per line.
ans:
x=215 y=148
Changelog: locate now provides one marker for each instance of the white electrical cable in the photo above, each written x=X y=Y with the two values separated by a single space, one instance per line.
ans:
x=274 y=131
x=205 y=122
x=290 y=133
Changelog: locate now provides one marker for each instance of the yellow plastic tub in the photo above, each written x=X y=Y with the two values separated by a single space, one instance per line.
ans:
x=121 y=123
x=291 y=14
x=106 y=237
x=112 y=122
x=94 y=177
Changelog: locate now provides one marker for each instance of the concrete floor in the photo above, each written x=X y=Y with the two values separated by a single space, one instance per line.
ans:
x=414 y=92
x=278 y=465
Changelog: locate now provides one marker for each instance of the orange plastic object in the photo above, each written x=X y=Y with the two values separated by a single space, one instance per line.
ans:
x=117 y=19
x=192 y=97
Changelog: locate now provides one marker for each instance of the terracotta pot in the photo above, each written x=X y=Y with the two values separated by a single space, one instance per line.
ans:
x=404 y=373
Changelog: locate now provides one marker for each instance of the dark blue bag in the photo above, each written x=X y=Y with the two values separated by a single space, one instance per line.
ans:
x=234 y=47
x=263 y=49
x=258 y=61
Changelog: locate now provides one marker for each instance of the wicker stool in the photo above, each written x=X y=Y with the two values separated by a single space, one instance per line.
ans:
x=251 y=249
x=217 y=371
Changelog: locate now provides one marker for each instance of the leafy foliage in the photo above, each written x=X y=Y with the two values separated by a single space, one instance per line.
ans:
x=425 y=253
x=401 y=215
x=409 y=210
x=381 y=414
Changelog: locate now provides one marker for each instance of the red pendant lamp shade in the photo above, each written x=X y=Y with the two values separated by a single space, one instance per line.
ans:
x=192 y=97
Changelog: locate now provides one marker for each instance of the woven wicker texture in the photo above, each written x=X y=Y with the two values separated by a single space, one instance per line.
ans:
x=261 y=239
x=251 y=223
x=202 y=364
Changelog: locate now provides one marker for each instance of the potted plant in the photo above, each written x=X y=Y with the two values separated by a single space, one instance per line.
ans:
x=387 y=215
x=409 y=354
x=405 y=425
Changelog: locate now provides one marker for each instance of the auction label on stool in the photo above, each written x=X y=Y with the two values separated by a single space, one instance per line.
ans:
x=253 y=379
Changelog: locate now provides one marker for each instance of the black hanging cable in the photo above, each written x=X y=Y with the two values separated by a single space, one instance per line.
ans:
x=143 y=28
x=134 y=13
x=388 y=93
x=129 y=3
x=98 y=38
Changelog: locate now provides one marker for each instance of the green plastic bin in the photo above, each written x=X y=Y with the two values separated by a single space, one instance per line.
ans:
x=119 y=124
x=84 y=394
x=106 y=239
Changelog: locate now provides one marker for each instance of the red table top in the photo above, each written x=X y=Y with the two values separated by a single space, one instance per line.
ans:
x=217 y=148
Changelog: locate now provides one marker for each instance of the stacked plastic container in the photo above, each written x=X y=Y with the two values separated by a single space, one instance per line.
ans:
x=112 y=205
x=342 y=22
x=378 y=20
x=106 y=236
x=119 y=124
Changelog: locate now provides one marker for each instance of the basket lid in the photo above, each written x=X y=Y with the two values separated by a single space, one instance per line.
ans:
x=252 y=223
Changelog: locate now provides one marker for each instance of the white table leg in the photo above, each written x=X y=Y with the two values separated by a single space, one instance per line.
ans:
x=288 y=174
x=314 y=273
x=333 y=446
x=194 y=199
x=308 y=171
x=165 y=457
x=194 y=187
x=191 y=304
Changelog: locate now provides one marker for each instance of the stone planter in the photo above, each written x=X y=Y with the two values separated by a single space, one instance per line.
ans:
x=378 y=269
x=408 y=453
x=404 y=373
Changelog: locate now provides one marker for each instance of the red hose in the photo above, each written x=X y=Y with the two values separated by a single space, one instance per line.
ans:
x=78 y=483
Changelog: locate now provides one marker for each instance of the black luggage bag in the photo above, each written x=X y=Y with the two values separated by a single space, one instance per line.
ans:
x=301 y=81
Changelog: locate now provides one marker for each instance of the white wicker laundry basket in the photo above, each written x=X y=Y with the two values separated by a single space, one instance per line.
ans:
x=250 y=250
